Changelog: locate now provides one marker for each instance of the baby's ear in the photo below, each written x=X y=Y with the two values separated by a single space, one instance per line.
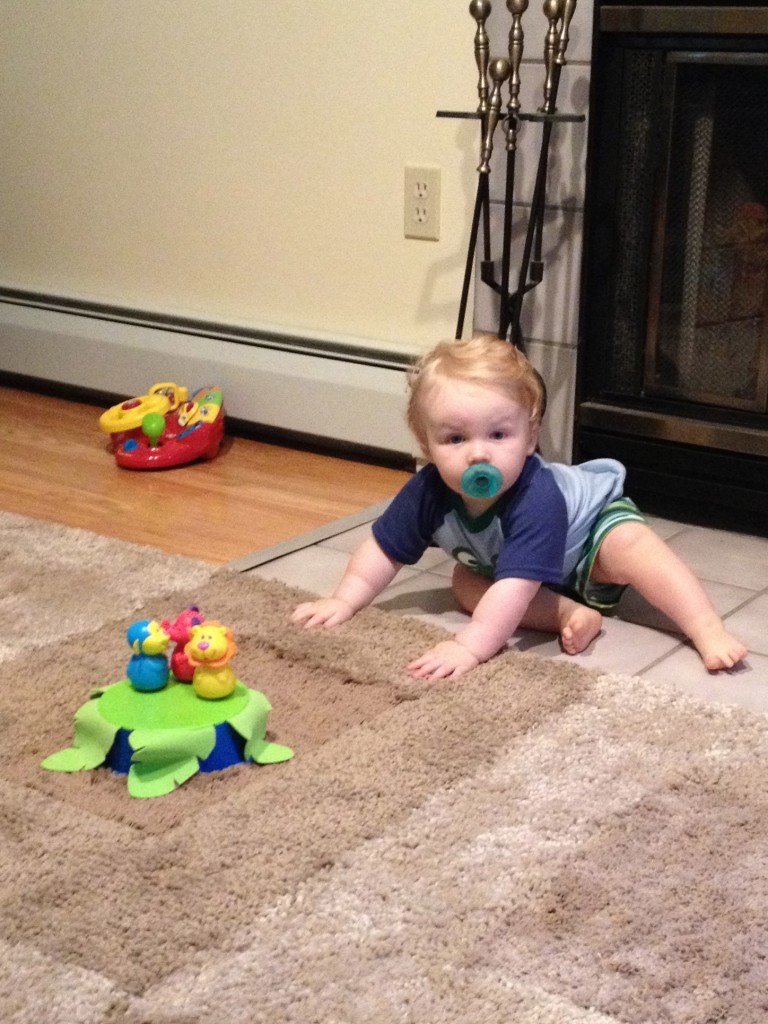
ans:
x=533 y=435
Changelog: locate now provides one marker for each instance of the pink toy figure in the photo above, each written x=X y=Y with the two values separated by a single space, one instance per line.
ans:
x=180 y=632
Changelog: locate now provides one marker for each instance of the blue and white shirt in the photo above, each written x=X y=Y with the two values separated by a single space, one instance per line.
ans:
x=536 y=530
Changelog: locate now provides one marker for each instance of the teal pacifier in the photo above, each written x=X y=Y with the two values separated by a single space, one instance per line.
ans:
x=481 y=480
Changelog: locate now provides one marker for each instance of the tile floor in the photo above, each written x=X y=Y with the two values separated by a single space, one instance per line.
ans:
x=637 y=641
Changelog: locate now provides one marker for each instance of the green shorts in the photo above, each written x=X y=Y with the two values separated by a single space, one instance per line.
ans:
x=579 y=584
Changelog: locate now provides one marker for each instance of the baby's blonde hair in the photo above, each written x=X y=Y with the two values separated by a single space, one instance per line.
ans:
x=485 y=360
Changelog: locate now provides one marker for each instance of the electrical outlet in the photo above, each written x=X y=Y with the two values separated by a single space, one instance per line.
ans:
x=421 y=206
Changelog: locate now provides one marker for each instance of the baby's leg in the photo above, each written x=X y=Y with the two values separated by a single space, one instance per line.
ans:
x=468 y=587
x=548 y=612
x=633 y=554
x=577 y=624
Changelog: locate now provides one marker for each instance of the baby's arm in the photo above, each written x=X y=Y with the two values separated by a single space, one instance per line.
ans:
x=495 y=619
x=369 y=571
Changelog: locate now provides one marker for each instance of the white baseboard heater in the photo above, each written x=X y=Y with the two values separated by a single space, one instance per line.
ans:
x=329 y=391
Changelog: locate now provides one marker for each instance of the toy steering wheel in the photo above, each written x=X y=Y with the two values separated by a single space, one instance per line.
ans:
x=162 y=398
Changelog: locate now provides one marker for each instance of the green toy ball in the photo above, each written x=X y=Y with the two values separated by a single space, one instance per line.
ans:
x=152 y=426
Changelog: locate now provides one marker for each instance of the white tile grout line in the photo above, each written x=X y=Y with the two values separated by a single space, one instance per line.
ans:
x=307 y=540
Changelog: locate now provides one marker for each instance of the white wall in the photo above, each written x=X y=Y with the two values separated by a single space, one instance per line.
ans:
x=239 y=161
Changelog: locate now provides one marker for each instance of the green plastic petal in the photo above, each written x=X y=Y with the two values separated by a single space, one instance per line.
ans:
x=251 y=722
x=148 y=780
x=93 y=739
x=166 y=746
x=163 y=760
x=264 y=752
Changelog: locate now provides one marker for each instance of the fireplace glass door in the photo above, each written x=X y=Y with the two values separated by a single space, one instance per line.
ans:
x=673 y=348
x=707 y=325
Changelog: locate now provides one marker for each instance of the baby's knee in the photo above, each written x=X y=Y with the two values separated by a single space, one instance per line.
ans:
x=632 y=533
x=627 y=544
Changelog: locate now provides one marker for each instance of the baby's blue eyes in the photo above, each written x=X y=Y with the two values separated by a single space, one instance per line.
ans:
x=494 y=435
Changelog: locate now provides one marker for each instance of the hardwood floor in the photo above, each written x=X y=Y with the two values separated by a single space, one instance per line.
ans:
x=55 y=465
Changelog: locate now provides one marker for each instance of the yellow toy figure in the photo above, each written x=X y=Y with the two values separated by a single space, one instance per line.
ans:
x=210 y=649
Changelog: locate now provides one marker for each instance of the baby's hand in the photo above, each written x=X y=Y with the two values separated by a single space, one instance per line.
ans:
x=327 y=611
x=447 y=660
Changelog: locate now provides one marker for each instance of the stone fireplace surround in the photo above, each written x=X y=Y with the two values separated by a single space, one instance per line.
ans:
x=550 y=312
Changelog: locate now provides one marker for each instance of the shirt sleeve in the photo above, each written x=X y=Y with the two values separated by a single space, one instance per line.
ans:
x=586 y=489
x=405 y=529
x=535 y=528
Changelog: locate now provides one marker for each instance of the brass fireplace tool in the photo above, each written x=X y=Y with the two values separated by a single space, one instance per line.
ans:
x=558 y=14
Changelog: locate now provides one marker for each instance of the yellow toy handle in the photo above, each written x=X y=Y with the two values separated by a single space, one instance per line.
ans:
x=172 y=392
x=128 y=415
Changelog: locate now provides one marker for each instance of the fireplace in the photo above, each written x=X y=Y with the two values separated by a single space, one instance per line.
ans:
x=673 y=362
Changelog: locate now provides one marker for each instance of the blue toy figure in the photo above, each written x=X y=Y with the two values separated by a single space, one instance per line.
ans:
x=148 y=669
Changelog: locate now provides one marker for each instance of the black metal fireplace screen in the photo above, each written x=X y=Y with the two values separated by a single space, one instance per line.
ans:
x=674 y=356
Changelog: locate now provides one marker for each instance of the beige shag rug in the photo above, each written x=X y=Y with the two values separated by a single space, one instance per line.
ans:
x=533 y=843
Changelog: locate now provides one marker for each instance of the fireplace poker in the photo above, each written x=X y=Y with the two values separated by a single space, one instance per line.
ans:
x=480 y=10
x=552 y=13
x=482 y=56
x=566 y=10
x=499 y=72
x=516 y=40
x=553 y=10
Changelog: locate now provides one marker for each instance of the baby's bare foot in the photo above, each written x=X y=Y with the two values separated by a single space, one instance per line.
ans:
x=720 y=650
x=580 y=629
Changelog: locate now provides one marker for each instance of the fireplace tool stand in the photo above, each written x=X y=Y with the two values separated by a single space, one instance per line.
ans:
x=492 y=76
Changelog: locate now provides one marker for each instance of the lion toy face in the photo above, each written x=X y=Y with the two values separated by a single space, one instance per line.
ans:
x=211 y=642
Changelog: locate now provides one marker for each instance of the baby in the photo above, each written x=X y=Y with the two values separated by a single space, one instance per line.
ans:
x=536 y=544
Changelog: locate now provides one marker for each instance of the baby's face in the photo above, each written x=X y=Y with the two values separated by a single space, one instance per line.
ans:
x=469 y=423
